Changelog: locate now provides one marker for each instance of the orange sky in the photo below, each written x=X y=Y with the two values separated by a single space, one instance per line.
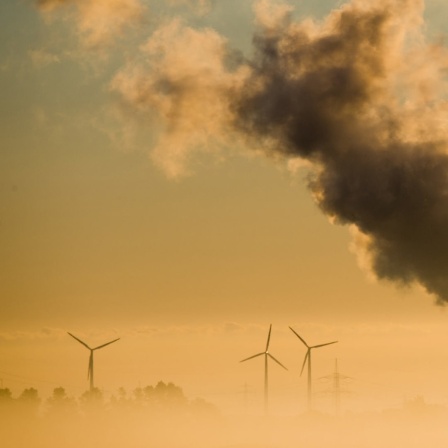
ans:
x=95 y=238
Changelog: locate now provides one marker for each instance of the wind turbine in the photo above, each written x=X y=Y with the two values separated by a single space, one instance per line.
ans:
x=266 y=356
x=308 y=358
x=90 y=368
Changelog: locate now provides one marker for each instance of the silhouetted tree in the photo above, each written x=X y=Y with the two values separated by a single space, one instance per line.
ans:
x=92 y=400
x=122 y=395
x=59 y=403
x=29 y=395
x=6 y=401
x=121 y=401
x=148 y=393
x=29 y=402
x=138 y=394
x=169 y=393
x=5 y=396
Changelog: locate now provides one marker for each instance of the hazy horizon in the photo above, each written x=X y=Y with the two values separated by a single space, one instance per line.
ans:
x=183 y=174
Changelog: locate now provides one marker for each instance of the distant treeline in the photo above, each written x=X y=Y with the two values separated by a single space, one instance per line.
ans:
x=160 y=398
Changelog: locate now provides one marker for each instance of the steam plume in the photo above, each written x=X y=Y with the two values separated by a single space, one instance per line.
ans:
x=357 y=97
x=185 y=80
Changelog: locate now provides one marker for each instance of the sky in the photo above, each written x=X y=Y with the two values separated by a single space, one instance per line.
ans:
x=156 y=185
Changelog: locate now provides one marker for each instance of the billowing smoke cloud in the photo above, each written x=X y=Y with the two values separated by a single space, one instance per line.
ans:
x=98 y=22
x=357 y=96
x=353 y=96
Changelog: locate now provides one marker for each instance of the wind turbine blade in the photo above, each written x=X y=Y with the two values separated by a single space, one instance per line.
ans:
x=250 y=357
x=107 y=343
x=304 y=361
x=297 y=334
x=269 y=337
x=89 y=369
x=79 y=340
x=277 y=361
x=323 y=345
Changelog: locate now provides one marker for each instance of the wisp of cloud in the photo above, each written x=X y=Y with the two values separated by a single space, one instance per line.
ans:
x=98 y=22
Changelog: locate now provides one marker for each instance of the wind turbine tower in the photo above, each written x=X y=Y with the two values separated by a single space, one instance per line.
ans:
x=266 y=355
x=308 y=359
x=90 y=368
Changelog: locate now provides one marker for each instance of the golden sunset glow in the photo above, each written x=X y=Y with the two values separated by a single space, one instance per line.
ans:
x=192 y=180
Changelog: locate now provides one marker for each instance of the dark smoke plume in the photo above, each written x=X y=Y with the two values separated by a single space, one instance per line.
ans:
x=340 y=96
x=357 y=96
